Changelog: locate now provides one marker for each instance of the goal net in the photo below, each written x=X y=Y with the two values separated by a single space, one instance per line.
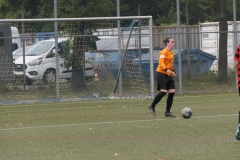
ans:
x=95 y=58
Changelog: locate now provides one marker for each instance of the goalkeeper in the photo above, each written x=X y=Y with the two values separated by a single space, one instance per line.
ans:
x=164 y=76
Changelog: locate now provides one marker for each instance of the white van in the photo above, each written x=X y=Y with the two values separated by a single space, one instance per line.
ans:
x=40 y=62
x=16 y=39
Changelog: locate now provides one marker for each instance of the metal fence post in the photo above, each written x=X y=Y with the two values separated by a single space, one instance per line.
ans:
x=179 y=48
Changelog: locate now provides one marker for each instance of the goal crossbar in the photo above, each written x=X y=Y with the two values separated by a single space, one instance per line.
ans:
x=75 y=19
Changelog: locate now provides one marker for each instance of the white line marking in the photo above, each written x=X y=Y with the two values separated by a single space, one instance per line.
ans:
x=103 y=123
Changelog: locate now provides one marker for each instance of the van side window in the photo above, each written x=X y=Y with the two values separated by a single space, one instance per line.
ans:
x=1 y=39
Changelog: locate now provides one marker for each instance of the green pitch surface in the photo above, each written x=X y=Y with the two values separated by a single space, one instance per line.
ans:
x=121 y=130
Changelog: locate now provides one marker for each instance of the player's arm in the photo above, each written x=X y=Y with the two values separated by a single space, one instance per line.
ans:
x=163 y=65
x=168 y=71
x=237 y=58
x=236 y=66
x=174 y=73
x=162 y=61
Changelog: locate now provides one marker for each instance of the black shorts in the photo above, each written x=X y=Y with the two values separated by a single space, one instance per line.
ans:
x=164 y=81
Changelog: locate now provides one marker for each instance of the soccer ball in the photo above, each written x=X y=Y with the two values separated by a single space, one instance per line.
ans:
x=186 y=112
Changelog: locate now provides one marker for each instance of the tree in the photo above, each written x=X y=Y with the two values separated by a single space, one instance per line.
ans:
x=223 y=27
x=81 y=8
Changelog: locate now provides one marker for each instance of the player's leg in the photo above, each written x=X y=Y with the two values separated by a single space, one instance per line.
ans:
x=238 y=127
x=156 y=100
x=162 y=86
x=169 y=101
x=171 y=93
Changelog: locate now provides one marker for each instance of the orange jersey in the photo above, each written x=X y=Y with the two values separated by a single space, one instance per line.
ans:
x=166 y=60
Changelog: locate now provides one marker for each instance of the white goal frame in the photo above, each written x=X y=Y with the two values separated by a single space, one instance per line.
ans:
x=149 y=18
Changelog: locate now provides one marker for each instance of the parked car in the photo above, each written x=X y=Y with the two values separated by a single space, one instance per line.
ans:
x=19 y=52
x=40 y=62
x=16 y=40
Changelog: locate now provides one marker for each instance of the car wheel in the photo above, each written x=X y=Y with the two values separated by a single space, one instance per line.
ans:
x=49 y=76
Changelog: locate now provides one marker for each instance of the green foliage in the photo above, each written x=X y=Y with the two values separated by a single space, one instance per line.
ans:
x=163 y=12
x=3 y=87
x=68 y=56
x=89 y=8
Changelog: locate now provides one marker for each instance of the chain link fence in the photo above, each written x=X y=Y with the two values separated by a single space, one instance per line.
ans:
x=208 y=34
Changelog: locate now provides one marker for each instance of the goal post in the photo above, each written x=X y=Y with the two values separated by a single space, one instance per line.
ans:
x=90 y=68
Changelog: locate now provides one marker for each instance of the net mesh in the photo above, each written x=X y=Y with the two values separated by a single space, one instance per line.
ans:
x=90 y=57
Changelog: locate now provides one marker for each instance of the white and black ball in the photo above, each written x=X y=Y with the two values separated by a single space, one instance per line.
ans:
x=186 y=112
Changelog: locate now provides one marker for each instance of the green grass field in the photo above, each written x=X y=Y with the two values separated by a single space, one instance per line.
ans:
x=121 y=130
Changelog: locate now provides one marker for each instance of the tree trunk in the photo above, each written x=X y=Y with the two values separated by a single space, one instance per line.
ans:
x=78 y=65
x=223 y=35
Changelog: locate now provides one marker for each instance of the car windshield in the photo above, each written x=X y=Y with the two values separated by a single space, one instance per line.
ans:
x=19 y=51
x=40 y=48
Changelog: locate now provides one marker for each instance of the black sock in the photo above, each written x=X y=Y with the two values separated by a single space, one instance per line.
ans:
x=158 y=98
x=169 y=101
